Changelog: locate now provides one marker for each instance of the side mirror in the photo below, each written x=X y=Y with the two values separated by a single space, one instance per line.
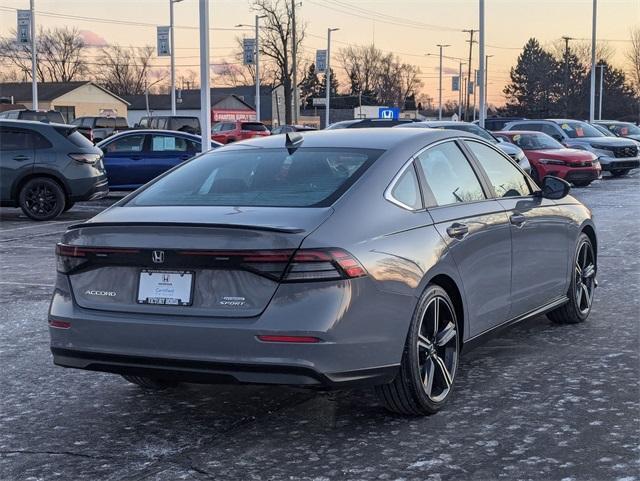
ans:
x=554 y=187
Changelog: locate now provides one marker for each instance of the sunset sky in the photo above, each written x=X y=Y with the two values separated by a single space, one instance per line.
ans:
x=509 y=24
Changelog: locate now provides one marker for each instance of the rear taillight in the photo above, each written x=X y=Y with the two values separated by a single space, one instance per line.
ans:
x=59 y=324
x=85 y=158
x=70 y=257
x=322 y=265
x=294 y=339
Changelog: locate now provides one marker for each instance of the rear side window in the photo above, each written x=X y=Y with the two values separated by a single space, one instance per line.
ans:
x=449 y=175
x=77 y=139
x=164 y=143
x=87 y=122
x=261 y=177
x=253 y=126
x=185 y=124
x=406 y=191
x=144 y=123
x=506 y=179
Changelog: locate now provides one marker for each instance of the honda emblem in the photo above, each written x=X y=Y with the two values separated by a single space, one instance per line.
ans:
x=157 y=257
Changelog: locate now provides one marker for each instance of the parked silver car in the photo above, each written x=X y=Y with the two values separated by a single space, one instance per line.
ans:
x=616 y=155
x=344 y=257
x=513 y=151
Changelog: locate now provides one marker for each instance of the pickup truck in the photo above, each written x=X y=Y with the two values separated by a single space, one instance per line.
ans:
x=97 y=128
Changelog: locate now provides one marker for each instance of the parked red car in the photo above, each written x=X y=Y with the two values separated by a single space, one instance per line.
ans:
x=547 y=156
x=227 y=132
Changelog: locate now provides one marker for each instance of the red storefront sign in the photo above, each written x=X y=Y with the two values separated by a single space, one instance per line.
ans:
x=223 y=115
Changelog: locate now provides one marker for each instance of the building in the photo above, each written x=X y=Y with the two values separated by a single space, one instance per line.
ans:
x=223 y=106
x=71 y=99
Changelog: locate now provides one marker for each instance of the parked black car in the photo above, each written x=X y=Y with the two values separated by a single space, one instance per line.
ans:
x=99 y=128
x=495 y=124
x=283 y=129
x=366 y=123
x=46 y=167
x=180 y=123
x=40 y=115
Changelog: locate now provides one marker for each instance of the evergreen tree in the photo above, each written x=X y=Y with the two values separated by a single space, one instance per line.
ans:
x=309 y=87
x=618 y=97
x=535 y=89
x=572 y=72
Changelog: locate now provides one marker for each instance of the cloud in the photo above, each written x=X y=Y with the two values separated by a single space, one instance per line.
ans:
x=92 y=39
x=447 y=70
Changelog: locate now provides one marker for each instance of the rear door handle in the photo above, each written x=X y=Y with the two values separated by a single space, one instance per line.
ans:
x=517 y=219
x=457 y=231
x=20 y=158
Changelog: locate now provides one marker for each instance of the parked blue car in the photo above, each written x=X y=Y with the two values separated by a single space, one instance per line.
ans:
x=134 y=157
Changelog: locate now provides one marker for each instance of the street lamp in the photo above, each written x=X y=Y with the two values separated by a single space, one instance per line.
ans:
x=173 y=57
x=460 y=89
x=440 y=82
x=205 y=92
x=257 y=62
x=327 y=77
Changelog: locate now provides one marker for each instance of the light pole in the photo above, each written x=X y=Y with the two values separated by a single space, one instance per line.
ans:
x=601 y=91
x=34 y=77
x=294 y=56
x=205 y=92
x=592 y=94
x=173 y=57
x=327 y=77
x=256 y=57
x=486 y=84
x=441 y=47
x=481 y=78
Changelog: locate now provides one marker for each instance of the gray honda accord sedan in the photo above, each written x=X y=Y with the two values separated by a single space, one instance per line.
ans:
x=329 y=259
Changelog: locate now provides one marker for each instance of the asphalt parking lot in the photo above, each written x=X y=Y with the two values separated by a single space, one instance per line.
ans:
x=541 y=402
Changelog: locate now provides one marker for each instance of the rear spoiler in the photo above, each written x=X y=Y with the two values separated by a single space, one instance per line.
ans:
x=284 y=230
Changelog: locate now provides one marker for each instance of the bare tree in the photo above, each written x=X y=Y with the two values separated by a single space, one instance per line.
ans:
x=409 y=81
x=275 y=43
x=633 y=56
x=126 y=71
x=60 y=55
x=362 y=65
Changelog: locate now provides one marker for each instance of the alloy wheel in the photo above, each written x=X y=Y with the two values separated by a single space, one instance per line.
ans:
x=585 y=273
x=437 y=349
x=40 y=199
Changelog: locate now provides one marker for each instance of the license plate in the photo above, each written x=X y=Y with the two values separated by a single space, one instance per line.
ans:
x=170 y=288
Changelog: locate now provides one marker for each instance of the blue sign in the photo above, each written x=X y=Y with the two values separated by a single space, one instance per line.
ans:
x=388 y=113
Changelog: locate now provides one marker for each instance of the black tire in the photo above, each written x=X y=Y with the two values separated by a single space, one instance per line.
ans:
x=41 y=198
x=620 y=173
x=582 y=288
x=581 y=183
x=536 y=176
x=430 y=359
x=68 y=205
x=150 y=382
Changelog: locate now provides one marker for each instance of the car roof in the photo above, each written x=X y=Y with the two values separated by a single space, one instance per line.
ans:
x=33 y=123
x=176 y=133
x=372 y=138
x=517 y=132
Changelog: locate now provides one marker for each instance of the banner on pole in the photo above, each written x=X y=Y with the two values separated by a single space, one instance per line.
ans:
x=455 y=83
x=321 y=60
x=478 y=78
x=470 y=87
x=163 y=44
x=248 y=51
x=23 y=32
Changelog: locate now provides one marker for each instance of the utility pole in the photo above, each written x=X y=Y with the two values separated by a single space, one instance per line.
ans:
x=486 y=84
x=601 y=90
x=471 y=33
x=173 y=57
x=257 y=96
x=205 y=92
x=34 y=53
x=566 y=75
x=592 y=94
x=294 y=52
x=460 y=93
x=475 y=90
x=441 y=47
x=327 y=78
x=481 y=78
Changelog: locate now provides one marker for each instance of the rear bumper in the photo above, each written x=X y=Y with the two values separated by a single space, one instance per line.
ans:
x=186 y=370
x=90 y=189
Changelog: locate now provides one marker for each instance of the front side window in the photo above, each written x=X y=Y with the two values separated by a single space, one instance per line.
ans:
x=129 y=143
x=449 y=175
x=406 y=191
x=253 y=126
x=313 y=177
x=506 y=179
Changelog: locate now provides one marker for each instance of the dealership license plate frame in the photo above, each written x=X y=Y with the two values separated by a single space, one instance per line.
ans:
x=180 y=300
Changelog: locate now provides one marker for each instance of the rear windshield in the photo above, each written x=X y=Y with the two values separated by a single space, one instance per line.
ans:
x=536 y=141
x=105 y=122
x=186 y=124
x=255 y=126
x=74 y=137
x=472 y=129
x=261 y=177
